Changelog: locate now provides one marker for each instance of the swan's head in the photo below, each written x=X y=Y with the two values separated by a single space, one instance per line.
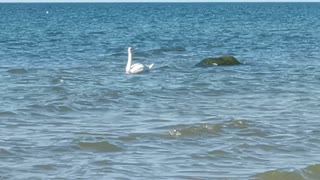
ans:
x=129 y=49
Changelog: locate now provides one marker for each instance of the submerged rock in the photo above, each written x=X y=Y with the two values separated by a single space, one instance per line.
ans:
x=223 y=60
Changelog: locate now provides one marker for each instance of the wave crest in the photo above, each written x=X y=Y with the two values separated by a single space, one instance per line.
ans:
x=311 y=172
x=99 y=146
x=195 y=130
x=17 y=71
x=207 y=129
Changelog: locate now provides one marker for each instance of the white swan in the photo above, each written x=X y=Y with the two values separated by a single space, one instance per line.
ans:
x=136 y=68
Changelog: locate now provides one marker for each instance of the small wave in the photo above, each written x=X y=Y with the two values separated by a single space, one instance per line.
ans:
x=264 y=147
x=164 y=67
x=45 y=167
x=102 y=163
x=54 y=33
x=7 y=113
x=237 y=123
x=57 y=88
x=245 y=129
x=311 y=172
x=211 y=155
x=17 y=71
x=96 y=33
x=196 y=130
x=239 y=127
x=99 y=146
x=217 y=152
x=207 y=129
x=4 y=153
x=168 y=50
x=177 y=49
x=57 y=80
x=52 y=108
x=94 y=134
x=63 y=108
x=134 y=136
x=137 y=136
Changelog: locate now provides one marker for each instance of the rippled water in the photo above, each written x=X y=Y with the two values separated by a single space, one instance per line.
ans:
x=68 y=110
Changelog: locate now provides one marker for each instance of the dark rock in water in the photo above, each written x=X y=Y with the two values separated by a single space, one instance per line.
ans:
x=223 y=60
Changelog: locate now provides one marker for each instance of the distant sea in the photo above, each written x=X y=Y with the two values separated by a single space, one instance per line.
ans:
x=69 y=111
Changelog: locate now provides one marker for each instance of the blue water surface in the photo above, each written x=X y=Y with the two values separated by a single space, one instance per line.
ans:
x=69 y=111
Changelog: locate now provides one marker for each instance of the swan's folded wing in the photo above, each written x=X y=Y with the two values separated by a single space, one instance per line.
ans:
x=137 y=68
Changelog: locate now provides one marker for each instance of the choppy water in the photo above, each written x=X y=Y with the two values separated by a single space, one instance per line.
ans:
x=68 y=110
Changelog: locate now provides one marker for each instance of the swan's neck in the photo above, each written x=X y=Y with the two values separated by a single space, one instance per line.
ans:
x=129 y=62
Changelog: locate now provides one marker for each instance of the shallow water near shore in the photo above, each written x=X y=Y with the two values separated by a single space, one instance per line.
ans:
x=69 y=111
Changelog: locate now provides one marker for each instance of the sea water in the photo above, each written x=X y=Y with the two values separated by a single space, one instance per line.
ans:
x=69 y=111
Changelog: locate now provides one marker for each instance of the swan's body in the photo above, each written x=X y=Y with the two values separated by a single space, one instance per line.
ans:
x=137 y=67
